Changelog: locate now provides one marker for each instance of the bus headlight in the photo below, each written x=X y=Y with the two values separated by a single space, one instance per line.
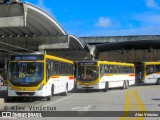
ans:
x=41 y=87
x=10 y=87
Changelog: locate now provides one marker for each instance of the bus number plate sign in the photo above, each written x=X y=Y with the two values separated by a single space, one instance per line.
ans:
x=25 y=94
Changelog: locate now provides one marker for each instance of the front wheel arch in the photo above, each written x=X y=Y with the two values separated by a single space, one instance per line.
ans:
x=158 y=81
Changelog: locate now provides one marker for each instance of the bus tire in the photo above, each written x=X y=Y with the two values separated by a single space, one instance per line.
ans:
x=158 y=81
x=106 y=87
x=124 y=85
x=8 y=99
x=66 y=90
x=49 y=98
x=52 y=90
x=127 y=84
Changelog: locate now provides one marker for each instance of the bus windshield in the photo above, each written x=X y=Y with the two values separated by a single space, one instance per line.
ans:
x=26 y=73
x=87 y=73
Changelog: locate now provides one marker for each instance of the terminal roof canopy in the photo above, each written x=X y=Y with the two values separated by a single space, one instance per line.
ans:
x=26 y=19
x=23 y=25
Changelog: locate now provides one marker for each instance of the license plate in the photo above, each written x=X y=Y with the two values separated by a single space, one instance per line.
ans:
x=25 y=94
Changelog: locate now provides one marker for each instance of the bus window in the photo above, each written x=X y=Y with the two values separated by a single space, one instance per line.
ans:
x=55 y=66
x=157 y=68
x=106 y=69
x=114 y=69
x=26 y=72
x=87 y=73
x=102 y=71
x=150 y=69
x=110 y=68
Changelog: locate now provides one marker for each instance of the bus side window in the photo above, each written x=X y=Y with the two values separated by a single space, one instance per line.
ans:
x=102 y=70
x=157 y=68
x=115 y=68
x=49 y=69
x=110 y=69
x=106 y=70
x=55 y=66
x=150 y=69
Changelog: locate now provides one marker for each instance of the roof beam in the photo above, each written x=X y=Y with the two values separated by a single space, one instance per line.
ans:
x=13 y=15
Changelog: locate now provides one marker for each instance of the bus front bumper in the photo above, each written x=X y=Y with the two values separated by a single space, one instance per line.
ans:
x=16 y=93
x=96 y=86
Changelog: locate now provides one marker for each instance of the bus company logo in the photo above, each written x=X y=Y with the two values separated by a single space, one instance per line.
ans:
x=6 y=114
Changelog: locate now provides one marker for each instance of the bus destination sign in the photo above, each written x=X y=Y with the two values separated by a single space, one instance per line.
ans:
x=87 y=63
x=27 y=57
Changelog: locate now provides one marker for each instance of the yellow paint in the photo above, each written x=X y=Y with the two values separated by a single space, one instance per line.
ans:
x=133 y=103
x=25 y=88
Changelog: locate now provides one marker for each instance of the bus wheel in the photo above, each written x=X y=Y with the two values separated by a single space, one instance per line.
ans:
x=106 y=87
x=66 y=91
x=158 y=81
x=124 y=85
x=52 y=90
x=49 y=98
x=127 y=84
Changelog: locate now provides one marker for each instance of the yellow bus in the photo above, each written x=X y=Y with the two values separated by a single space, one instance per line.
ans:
x=102 y=75
x=149 y=72
x=38 y=75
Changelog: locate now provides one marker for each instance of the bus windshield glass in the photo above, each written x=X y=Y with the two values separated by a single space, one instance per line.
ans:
x=87 y=73
x=26 y=73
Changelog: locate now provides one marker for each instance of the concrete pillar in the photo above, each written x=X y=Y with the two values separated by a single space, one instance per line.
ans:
x=94 y=52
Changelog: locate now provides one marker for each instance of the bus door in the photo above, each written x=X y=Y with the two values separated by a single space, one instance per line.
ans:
x=54 y=79
x=139 y=71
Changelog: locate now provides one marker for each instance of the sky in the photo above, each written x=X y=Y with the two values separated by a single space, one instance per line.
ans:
x=104 y=17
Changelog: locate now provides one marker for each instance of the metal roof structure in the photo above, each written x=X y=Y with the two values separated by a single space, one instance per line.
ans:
x=108 y=43
x=26 y=27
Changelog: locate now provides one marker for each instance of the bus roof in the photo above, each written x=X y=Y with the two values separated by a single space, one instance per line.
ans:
x=151 y=63
x=107 y=62
x=40 y=57
x=58 y=58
